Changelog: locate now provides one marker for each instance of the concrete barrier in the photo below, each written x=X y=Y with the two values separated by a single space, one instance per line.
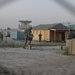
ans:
x=70 y=45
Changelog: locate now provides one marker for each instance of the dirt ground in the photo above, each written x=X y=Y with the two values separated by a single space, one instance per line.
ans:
x=38 y=61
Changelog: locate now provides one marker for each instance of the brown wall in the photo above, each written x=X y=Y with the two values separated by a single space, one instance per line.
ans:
x=70 y=45
x=50 y=35
x=66 y=34
x=45 y=34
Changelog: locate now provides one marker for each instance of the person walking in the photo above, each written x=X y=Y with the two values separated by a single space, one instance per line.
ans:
x=28 y=37
x=1 y=36
x=6 y=34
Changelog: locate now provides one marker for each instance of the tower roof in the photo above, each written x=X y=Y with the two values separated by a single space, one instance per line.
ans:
x=25 y=21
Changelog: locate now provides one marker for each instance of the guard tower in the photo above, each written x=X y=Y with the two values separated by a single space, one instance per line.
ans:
x=24 y=24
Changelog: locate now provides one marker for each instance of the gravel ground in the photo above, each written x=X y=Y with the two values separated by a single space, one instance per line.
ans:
x=38 y=61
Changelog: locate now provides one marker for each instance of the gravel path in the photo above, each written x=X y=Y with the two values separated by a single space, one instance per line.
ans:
x=38 y=61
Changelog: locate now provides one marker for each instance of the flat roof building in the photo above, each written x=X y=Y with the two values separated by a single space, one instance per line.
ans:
x=24 y=24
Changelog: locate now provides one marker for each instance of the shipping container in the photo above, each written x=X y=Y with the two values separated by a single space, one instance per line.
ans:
x=17 y=35
x=71 y=27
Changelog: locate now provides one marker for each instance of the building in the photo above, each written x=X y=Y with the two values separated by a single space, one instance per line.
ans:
x=24 y=24
x=50 y=32
x=19 y=33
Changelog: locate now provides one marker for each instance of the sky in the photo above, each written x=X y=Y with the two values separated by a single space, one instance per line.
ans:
x=38 y=11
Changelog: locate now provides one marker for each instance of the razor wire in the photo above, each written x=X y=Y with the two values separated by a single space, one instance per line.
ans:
x=66 y=5
x=4 y=2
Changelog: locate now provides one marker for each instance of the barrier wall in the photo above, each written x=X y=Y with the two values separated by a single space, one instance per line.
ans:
x=70 y=45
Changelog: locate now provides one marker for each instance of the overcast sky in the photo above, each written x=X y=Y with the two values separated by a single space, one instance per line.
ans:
x=38 y=11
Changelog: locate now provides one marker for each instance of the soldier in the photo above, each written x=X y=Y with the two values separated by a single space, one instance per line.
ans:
x=40 y=35
x=1 y=36
x=28 y=36
x=71 y=35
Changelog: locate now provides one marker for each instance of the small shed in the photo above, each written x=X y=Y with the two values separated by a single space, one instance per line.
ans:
x=17 y=35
